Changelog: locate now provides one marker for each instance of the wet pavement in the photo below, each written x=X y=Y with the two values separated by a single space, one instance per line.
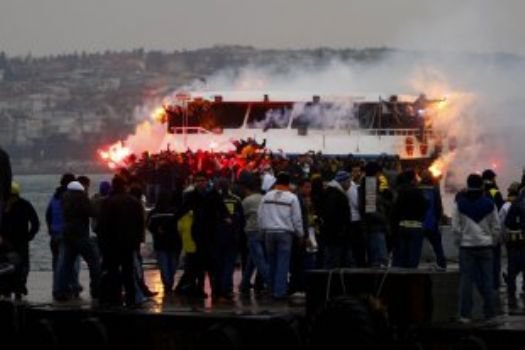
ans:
x=40 y=284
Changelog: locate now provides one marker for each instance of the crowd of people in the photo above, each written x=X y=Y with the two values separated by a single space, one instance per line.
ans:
x=273 y=215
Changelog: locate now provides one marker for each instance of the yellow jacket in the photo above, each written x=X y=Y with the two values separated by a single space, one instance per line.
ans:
x=184 y=226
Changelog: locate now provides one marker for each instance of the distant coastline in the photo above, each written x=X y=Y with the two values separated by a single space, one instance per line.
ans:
x=58 y=167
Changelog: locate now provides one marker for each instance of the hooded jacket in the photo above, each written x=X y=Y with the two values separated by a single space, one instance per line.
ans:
x=475 y=220
x=335 y=214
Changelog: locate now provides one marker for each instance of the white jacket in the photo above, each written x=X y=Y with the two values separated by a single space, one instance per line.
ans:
x=280 y=211
x=472 y=231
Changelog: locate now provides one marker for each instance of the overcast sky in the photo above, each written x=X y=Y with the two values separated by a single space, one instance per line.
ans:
x=45 y=27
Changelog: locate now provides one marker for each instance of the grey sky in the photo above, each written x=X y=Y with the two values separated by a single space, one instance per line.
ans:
x=61 y=26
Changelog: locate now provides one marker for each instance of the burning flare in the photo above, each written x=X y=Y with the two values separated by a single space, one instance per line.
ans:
x=115 y=155
x=159 y=115
x=440 y=165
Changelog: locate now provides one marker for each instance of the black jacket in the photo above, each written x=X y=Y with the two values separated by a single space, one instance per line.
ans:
x=209 y=212
x=335 y=216
x=77 y=210
x=162 y=224
x=20 y=224
x=5 y=175
x=121 y=223
x=410 y=205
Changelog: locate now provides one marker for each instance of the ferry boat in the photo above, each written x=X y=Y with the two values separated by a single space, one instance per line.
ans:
x=333 y=125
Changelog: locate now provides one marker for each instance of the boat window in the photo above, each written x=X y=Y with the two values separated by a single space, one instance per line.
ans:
x=269 y=115
x=228 y=115
x=315 y=116
x=175 y=117
x=388 y=115
x=217 y=115
x=209 y=115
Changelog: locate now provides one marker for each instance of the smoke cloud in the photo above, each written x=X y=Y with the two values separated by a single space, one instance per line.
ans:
x=485 y=91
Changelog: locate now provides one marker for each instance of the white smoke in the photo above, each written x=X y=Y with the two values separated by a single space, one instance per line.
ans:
x=487 y=88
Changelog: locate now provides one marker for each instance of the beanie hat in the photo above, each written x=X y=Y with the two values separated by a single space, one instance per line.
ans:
x=75 y=186
x=15 y=188
x=474 y=182
x=104 y=188
x=342 y=176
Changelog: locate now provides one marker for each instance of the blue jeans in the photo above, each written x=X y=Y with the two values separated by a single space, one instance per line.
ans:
x=226 y=251
x=256 y=260
x=168 y=261
x=377 y=248
x=434 y=238
x=279 y=249
x=407 y=251
x=138 y=278
x=54 y=245
x=67 y=257
x=337 y=255
x=476 y=267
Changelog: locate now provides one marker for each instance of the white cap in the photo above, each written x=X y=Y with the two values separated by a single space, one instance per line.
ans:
x=267 y=182
x=75 y=186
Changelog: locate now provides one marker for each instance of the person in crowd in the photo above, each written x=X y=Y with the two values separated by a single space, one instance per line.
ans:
x=304 y=252
x=55 y=217
x=120 y=230
x=475 y=223
x=209 y=212
x=491 y=188
x=55 y=228
x=357 y=237
x=255 y=239
x=6 y=256
x=279 y=217
x=408 y=213
x=191 y=281
x=143 y=291
x=430 y=189
x=6 y=177
x=85 y=181
x=492 y=191
x=166 y=239
x=77 y=211
x=19 y=226
x=335 y=228
x=375 y=200
x=229 y=234
x=512 y=217
x=96 y=203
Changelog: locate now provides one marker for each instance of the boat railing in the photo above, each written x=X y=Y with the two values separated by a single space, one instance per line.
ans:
x=193 y=130
x=390 y=132
x=190 y=130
